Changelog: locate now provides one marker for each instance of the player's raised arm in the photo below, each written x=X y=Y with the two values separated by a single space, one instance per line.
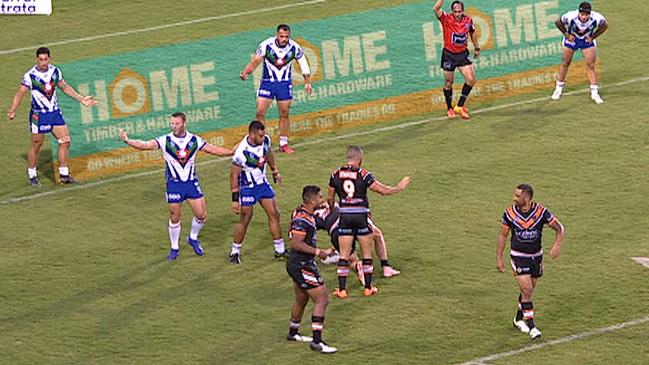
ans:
x=383 y=189
x=500 y=247
x=217 y=151
x=136 y=143
x=22 y=90
x=70 y=91
x=438 y=8
x=251 y=66
x=558 y=239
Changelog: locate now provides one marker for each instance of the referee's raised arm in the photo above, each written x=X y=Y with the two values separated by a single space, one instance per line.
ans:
x=438 y=8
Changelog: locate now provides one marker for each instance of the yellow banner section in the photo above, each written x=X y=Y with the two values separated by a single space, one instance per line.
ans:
x=127 y=159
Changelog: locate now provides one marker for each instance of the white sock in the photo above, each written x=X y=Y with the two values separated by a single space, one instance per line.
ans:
x=283 y=140
x=174 y=234
x=236 y=248
x=279 y=245
x=196 y=228
x=594 y=89
x=560 y=84
x=31 y=172
x=63 y=171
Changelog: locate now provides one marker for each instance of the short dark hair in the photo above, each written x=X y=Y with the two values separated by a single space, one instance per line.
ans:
x=309 y=192
x=457 y=2
x=353 y=152
x=527 y=189
x=585 y=7
x=256 y=125
x=180 y=115
x=285 y=27
x=43 y=50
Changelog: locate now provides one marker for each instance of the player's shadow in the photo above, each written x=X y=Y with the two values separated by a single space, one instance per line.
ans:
x=45 y=165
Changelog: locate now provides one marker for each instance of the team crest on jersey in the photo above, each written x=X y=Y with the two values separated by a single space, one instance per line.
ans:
x=253 y=160
x=182 y=155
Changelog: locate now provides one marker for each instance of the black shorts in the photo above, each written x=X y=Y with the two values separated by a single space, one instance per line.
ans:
x=451 y=60
x=354 y=224
x=304 y=273
x=528 y=265
x=336 y=244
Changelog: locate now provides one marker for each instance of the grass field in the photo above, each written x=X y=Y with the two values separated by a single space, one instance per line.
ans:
x=85 y=280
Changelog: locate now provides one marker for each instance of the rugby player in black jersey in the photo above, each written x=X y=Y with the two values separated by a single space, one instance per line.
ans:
x=350 y=183
x=301 y=267
x=525 y=219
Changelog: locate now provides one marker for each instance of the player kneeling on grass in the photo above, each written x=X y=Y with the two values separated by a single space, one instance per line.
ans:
x=301 y=267
x=525 y=218
x=179 y=149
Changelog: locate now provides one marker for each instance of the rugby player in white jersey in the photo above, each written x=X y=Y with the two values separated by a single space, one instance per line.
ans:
x=179 y=149
x=45 y=115
x=278 y=54
x=580 y=28
x=249 y=185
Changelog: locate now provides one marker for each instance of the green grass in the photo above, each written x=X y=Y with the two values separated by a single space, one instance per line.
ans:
x=85 y=280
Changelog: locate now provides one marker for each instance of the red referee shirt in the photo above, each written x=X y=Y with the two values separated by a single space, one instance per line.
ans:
x=456 y=34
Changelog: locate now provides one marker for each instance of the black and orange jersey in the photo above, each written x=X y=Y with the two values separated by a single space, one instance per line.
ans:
x=303 y=223
x=351 y=184
x=527 y=229
x=326 y=218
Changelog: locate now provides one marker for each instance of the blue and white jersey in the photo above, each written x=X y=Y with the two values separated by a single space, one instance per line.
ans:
x=252 y=160
x=278 y=61
x=179 y=154
x=581 y=30
x=42 y=86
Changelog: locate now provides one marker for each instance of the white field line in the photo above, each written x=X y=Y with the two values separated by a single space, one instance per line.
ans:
x=159 y=27
x=315 y=141
x=578 y=336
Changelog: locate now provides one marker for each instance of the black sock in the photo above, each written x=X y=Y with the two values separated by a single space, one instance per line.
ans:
x=448 y=95
x=384 y=263
x=316 y=325
x=367 y=263
x=519 y=312
x=343 y=271
x=466 y=90
x=293 y=327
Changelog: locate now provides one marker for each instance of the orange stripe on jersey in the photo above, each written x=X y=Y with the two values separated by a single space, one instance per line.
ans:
x=293 y=231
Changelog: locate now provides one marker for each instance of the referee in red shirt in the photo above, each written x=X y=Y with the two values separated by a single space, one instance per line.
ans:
x=457 y=28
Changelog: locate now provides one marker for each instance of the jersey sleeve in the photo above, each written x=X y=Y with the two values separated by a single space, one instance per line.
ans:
x=548 y=217
x=201 y=142
x=261 y=49
x=565 y=18
x=298 y=225
x=599 y=18
x=471 y=26
x=238 y=158
x=369 y=178
x=505 y=220
x=26 y=81
x=332 y=180
x=58 y=75
x=161 y=141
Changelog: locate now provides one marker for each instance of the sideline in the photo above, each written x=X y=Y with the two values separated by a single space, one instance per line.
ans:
x=159 y=27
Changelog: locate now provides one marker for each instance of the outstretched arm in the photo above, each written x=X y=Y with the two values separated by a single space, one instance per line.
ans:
x=69 y=90
x=383 y=189
x=11 y=113
x=217 y=151
x=251 y=66
x=438 y=8
x=500 y=247
x=558 y=239
x=136 y=143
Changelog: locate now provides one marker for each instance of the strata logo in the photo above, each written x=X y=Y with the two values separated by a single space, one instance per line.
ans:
x=132 y=93
x=247 y=199
x=25 y=7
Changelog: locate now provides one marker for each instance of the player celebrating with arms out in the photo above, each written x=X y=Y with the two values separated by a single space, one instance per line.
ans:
x=525 y=219
x=179 y=149
x=278 y=54
x=301 y=267
x=350 y=183
x=457 y=29
x=45 y=115
x=580 y=28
